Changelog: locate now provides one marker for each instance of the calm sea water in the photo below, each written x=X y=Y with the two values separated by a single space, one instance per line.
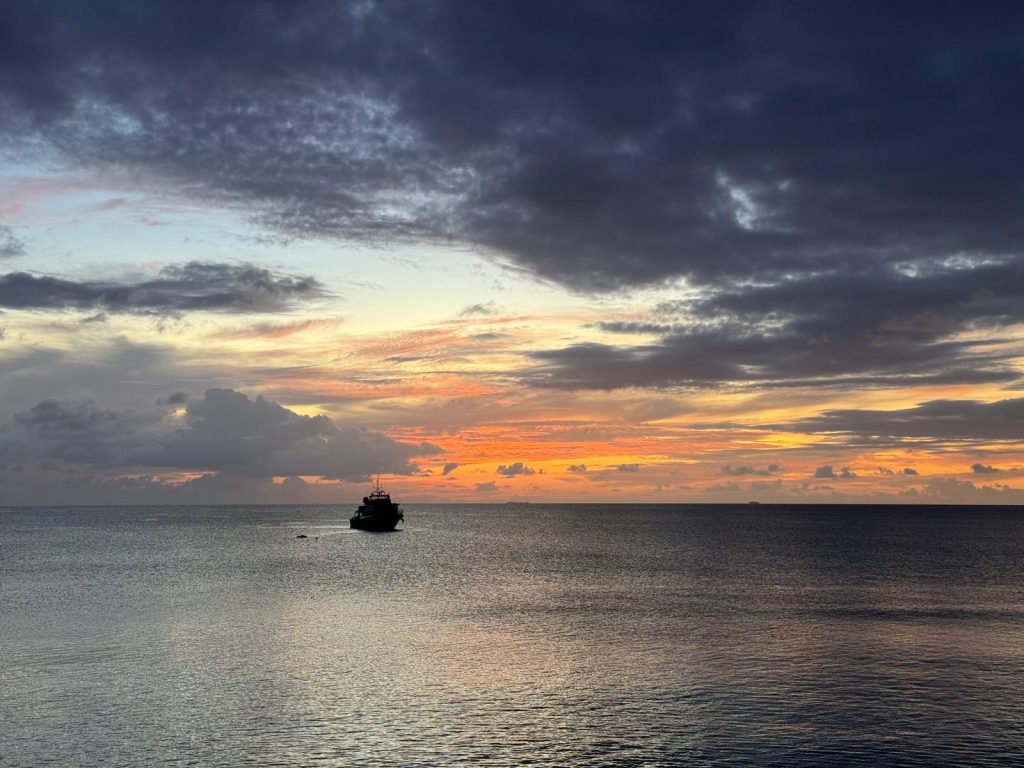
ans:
x=513 y=635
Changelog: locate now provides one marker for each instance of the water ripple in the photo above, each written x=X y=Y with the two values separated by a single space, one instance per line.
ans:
x=489 y=636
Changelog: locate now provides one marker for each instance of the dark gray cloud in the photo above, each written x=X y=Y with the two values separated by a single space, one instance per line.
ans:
x=194 y=286
x=66 y=486
x=11 y=246
x=905 y=472
x=842 y=190
x=51 y=418
x=597 y=145
x=876 y=328
x=77 y=432
x=722 y=357
x=450 y=467
x=730 y=471
x=949 y=490
x=512 y=470
x=983 y=469
x=828 y=472
x=224 y=432
x=577 y=468
x=942 y=420
x=628 y=468
x=471 y=310
x=120 y=372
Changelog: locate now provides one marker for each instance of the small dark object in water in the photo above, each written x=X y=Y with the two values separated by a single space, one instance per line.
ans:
x=302 y=536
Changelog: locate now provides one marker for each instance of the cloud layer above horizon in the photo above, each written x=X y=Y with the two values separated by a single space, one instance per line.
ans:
x=799 y=220
x=224 y=431
x=599 y=145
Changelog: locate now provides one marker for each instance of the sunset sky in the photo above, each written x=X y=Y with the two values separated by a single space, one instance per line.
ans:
x=546 y=251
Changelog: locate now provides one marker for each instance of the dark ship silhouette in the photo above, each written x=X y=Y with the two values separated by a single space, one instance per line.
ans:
x=377 y=512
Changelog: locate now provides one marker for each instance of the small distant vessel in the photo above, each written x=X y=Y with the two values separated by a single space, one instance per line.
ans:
x=377 y=512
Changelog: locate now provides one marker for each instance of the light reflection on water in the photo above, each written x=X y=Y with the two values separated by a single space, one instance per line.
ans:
x=513 y=636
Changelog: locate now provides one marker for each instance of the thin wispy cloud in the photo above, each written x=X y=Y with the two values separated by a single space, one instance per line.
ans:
x=11 y=246
x=279 y=330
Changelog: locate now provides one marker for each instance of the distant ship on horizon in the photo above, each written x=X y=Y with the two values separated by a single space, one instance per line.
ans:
x=377 y=512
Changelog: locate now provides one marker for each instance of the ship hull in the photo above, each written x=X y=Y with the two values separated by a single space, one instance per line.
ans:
x=372 y=524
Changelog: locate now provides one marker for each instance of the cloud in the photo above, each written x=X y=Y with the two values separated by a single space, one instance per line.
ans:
x=949 y=490
x=837 y=231
x=225 y=431
x=982 y=469
x=869 y=327
x=731 y=471
x=195 y=286
x=11 y=246
x=613 y=473
x=118 y=371
x=724 y=357
x=77 y=432
x=905 y=472
x=278 y=330
x=450 y=467
x=64 y=486
x=471 y=310
x=695 y=145
x=577 y=468
x=955 y=420
x=515 y=469
x=486 y=487
x=827 y=472
x=51 y=418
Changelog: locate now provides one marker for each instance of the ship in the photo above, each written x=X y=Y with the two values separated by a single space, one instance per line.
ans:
x=377 y=512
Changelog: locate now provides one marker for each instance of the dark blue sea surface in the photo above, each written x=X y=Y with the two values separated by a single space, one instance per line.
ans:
x=543 y=635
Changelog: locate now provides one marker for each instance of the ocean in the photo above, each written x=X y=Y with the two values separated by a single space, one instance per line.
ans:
x=501 y=635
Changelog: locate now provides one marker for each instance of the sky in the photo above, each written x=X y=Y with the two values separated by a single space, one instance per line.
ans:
x=511 y=251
